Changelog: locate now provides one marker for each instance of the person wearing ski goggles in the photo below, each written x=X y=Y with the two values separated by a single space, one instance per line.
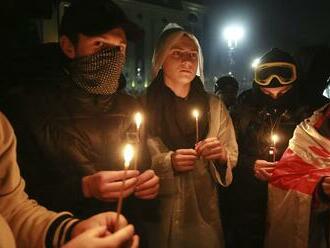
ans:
x=272 y=106
x=275 y=74
x=285 y=73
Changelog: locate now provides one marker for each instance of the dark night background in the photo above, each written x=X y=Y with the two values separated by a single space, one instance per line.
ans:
x=287 y=24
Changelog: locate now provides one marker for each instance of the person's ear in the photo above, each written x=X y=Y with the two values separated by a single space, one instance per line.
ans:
x=67 y=47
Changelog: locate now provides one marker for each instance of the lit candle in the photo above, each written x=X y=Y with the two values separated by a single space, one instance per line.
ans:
x=274 y=139
x=272 y=151
x=196 y=115
x=138 y=120
x=128 y=155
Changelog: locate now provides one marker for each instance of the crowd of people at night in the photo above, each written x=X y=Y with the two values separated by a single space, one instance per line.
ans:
x=213 y=170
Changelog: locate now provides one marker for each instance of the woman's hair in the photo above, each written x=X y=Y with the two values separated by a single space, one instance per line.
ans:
x=166 y=41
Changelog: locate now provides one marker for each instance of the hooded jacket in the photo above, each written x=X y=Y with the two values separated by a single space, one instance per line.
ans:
x=188 y=204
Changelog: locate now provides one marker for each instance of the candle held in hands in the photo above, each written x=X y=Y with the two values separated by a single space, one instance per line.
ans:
x=138 y=120
x=272 y=150
x=196 y=115
x=128 y=155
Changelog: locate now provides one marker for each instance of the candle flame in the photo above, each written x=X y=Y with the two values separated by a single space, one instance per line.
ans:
x=138 y=119
x=195 y=113
x=128 y=154
x=271 y=152
x=275 y=138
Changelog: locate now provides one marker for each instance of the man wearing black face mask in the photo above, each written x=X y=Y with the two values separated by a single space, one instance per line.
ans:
x=71 y=134
x=264 y=119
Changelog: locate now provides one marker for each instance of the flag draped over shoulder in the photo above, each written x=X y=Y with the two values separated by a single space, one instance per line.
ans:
x=291 y=199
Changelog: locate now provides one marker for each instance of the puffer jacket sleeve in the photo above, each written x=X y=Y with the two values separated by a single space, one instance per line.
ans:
x=221 y=126
x=31 y=224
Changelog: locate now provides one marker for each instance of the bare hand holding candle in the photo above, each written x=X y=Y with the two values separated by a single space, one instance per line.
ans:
x=196 y=115
x=128 y=155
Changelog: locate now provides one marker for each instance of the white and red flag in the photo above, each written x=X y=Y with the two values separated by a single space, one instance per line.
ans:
x=292 y=198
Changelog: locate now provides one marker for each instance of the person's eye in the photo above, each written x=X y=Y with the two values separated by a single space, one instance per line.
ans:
x=193 y=56
x=176 y=54
x=98 y=44
x=122 y=48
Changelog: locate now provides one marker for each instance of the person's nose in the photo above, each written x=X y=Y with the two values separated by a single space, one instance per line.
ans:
x=275 y=94
x=186 y=59
x=122 y=48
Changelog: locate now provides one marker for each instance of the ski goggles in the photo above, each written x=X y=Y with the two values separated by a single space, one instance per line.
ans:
x=286 y=73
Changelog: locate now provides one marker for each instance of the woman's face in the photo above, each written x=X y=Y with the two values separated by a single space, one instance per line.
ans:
x=180 y=65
